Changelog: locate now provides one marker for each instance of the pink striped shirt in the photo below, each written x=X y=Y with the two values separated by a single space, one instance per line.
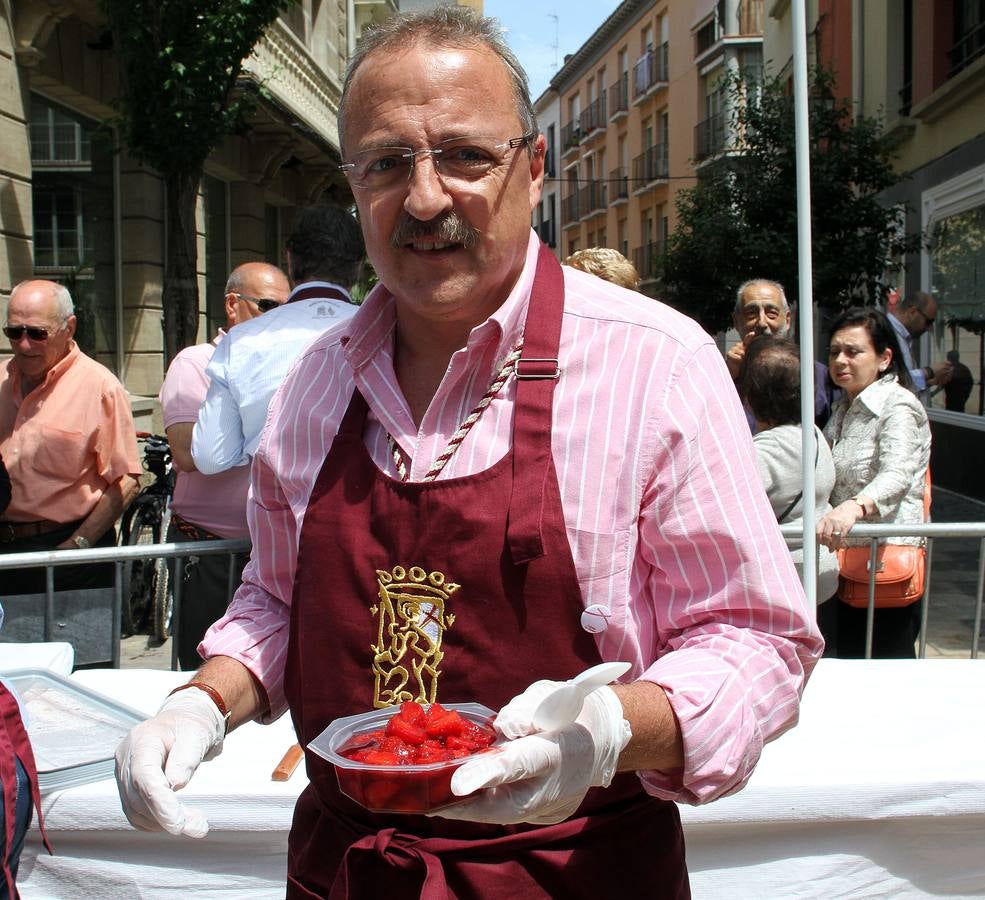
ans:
x=667 y=520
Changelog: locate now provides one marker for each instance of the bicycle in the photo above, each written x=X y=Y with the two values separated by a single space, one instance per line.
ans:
x=146 y=589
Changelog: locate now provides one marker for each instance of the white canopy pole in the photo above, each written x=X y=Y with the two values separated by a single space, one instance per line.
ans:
x=805 y=320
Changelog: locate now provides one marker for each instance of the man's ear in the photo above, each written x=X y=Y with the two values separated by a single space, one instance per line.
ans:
x=70 y=323
x=230 y=304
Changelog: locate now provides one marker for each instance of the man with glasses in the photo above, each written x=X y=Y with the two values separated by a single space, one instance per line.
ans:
x=210 y=507
x=497 y=472
x=913 y=316
x=324 y=254
x=68 y=441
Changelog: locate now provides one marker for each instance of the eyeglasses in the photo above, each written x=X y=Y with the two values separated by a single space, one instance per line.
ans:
x=458 y=161
x=264 y=304
x=16 y=332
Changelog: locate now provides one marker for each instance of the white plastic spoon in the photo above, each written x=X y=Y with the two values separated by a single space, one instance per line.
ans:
x=561 y=707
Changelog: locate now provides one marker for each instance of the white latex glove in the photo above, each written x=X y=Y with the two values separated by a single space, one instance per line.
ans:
x=159 y=756
x=542 y=777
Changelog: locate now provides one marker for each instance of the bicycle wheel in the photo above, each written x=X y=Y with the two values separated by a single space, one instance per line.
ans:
x=143 y=528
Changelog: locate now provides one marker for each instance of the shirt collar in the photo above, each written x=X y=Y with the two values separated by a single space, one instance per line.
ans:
x=874 y=397
x=370 y=330
x=307 y=285
x=51 y=376
x=901 y=330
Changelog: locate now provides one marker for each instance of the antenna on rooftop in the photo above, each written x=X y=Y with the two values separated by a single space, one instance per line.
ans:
x=554 y=46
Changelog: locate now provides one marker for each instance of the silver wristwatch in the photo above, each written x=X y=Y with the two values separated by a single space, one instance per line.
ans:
x=81 y=542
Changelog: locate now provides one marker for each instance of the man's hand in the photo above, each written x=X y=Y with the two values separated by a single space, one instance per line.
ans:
x=734 y=357
x=160 y=756
x=943 y=372
x=542 y=777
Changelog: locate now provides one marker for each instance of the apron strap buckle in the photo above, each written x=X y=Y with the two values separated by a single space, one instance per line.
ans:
x=537 y=368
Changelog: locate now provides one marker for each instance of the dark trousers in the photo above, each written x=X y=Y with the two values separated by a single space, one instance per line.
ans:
x=204 y=595
x=32 y=581
x=894 y=630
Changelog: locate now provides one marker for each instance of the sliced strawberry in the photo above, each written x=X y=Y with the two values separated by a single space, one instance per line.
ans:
x=435 y=711
x=413 y=712
x=450 y=723
x=406 y=731
x=381 y=758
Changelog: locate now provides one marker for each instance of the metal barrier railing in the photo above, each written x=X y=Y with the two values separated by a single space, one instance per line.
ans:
x=931 y=532
x=50 y=559
x=120 y=556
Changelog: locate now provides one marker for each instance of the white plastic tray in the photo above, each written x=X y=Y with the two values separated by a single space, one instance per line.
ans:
x=74 y=731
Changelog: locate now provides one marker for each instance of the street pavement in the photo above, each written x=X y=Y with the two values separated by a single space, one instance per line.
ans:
x=954 y=575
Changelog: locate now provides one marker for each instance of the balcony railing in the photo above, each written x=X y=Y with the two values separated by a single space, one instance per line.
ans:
x=545 y=231
x=593 y=116
x=647 y=259
x=650 y=165
x=709 y=136
x=570 y=136
x=966 y=49
x=619 y=95
x=650 y=69
x=569 y=209
x=619 y=184
x=592 y=197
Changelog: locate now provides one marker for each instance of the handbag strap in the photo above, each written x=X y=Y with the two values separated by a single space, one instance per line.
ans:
x=796 y=500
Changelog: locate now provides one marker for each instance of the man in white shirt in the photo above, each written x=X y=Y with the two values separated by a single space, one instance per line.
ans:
x=324 y=254
x=912 y=317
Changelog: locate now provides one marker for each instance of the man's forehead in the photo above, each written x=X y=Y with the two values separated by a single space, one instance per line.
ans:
x=34 y=303
x=761 y=295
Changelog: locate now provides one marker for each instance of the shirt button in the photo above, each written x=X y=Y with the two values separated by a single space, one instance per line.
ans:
x=595 y=618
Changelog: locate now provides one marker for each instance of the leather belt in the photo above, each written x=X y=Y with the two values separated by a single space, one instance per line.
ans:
x=193 y=531
x=14 y=531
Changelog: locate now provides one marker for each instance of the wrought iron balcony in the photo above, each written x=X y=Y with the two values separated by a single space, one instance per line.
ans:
x=650 y=166
x=593 y=117
x=650 y=70
x=592 y=197
x=619 y=96
x=619 y=184
x=648 y=260
x=709 y=137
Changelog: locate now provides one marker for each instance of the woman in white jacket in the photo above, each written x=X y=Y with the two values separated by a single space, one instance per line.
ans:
x=880 y=440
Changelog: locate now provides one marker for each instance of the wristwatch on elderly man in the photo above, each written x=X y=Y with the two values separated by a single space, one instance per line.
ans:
x=83 y=543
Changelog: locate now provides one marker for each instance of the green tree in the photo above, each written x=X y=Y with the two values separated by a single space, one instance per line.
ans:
x=179 y=62
x=740 y=220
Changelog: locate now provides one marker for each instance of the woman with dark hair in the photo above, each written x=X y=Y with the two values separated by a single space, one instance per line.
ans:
x=880 y=440
x=769 y=382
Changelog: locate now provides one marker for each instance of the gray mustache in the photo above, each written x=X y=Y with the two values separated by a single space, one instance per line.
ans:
x=450 y=228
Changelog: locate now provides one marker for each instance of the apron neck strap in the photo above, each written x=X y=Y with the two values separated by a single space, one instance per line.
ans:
x=537 y=373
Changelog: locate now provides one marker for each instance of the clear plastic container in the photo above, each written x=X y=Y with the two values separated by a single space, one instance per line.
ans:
x=394 y=789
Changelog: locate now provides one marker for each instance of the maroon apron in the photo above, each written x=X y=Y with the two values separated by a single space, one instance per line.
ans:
x=14 y=745
x=490 y=554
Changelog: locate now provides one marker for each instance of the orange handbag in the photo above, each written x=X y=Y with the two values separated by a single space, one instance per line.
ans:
x=899 y=570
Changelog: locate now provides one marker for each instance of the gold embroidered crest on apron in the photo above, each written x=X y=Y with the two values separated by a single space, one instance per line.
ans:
x=412 y=619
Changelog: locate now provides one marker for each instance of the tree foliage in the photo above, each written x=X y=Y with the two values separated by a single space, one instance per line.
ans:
x=179 y=62
x=740 y=220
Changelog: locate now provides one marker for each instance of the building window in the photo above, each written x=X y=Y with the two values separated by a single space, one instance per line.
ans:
x=969 y=34
x=72 y=195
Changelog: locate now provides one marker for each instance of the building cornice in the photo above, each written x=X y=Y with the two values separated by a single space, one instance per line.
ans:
x=285 y=68
x=598 y=43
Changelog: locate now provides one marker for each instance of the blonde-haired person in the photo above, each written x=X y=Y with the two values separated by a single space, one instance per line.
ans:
x=606 y=263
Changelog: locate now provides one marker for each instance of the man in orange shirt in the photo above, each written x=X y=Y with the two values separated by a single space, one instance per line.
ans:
x=67 y=439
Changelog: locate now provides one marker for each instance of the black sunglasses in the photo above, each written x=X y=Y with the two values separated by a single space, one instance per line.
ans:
x=264 y=304
x=16 y=332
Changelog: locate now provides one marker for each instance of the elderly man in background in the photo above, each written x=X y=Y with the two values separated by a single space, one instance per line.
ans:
x=324 y=255
x=498 y=473
x=210 y=507
x=67 y=438
x=911 y=319
x=761 y=308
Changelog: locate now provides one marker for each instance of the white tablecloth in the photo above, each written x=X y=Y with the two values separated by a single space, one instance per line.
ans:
x=58 y=656
x=878 y=792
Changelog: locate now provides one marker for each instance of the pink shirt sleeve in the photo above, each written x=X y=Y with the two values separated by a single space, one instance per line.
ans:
x=734 y=641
